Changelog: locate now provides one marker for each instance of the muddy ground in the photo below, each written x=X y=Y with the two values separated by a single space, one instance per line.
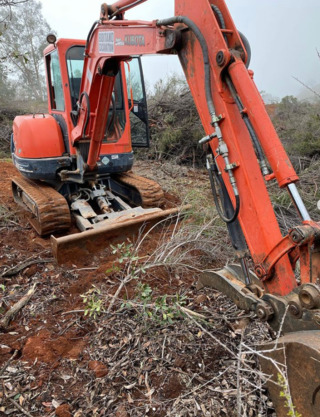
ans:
x=160 y=348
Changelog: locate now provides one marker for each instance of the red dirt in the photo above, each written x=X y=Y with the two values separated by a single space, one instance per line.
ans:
x=99 y=369
x=63 y=411
x=49 y=349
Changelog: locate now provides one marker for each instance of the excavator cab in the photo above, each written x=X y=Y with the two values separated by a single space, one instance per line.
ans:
x=128 y=94
x=42 y=144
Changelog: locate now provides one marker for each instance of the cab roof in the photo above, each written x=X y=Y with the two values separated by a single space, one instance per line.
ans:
x=63 y=44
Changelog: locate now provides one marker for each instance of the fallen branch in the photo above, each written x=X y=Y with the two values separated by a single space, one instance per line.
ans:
x=4 y=323
x=17 y=268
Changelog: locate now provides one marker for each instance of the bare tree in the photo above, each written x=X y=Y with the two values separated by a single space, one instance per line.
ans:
x=11 y=2
x=21 y=47
x=8 y=4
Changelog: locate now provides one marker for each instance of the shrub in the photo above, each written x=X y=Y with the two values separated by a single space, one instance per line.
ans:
x=174 y=121
x=298 y=125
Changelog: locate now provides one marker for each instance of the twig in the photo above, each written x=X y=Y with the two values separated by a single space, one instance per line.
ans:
x=306 y=86
x=68 y=327
x=193 y=313
x=17 y=268
x=233 y=354
x=239 y=402
x=163 y=346
x=115 y=296
x=206 y=383
x=209 y=334
x=85 y=269
x=18 y=406
x=72 y=312
x=4 y=323
x=8 y=362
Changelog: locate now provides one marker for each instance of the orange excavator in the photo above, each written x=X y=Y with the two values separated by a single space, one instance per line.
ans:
x=82 y=154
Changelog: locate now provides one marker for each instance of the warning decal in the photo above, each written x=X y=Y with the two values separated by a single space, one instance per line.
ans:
x=106 y=42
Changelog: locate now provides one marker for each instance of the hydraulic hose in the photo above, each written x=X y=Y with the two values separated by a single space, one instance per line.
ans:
x=219 y=16
x=216 y=199
x=247 y=47
x=124 y=8
x=84 y=94
x=222 y=24
x=214 y=119
x=90 y=34
x=255 y=140
x=192 y=26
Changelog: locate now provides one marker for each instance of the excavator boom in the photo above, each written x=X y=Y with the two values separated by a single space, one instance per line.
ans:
x=121 y=6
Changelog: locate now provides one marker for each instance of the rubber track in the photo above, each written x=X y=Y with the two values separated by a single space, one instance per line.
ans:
x=53 y=212
x=150 y=191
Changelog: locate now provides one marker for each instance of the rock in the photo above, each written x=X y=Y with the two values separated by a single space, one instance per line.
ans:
x=201 y=299
x=29 y=272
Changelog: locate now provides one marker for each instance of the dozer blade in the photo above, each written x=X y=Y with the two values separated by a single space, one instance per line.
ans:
x=69 y=248
x=297 y=355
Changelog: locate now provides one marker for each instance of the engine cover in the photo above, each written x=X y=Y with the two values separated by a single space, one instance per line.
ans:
x=37 y=136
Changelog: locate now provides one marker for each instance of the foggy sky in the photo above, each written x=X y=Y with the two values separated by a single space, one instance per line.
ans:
x=284 y=37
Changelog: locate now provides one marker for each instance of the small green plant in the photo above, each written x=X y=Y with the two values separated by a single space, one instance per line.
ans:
x=285 y=394
x=164 y=309
x=127 y=257
x=2 y=287
x=144 y=295
x=144 y=292
x=169 y=309
x=125 y=251
x=93 y=302
x=113 y=269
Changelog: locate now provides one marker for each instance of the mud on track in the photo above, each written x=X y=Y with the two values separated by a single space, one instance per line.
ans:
x=130 y=362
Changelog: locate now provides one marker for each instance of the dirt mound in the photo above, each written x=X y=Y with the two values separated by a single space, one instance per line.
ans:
x=49 y=348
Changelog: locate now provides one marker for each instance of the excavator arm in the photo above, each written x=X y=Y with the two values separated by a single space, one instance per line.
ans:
x=244 y=153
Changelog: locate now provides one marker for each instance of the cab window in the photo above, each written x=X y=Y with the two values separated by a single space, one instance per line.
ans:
x=75 y=61
x=117 y=117
x=138 y=104
x=55 y=81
